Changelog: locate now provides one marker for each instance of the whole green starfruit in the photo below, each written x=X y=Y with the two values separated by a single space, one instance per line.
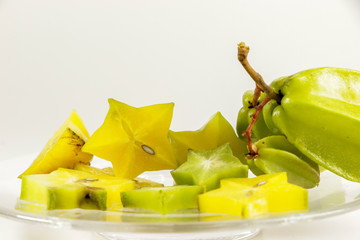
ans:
x=275 y=154
x=317 y=110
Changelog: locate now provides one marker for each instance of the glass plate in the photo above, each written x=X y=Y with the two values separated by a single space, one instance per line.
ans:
x=332 y=197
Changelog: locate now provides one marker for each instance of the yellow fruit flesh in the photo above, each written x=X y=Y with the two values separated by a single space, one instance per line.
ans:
x=216 y=132
x=63 y=149
x=139 y=182
x=112 y=185
x=220 y=201
x=133 y=139
x=254 y=197
x=69 y=187
x=113 y=188
x=93 y=170
x=275 y=178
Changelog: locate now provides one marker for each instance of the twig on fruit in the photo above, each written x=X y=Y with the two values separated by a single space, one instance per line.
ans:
x=255 y=116
x=261 y=86
x=243 y=52
x=256 y=96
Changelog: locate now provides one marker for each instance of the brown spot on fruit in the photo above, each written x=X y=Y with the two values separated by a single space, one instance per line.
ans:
x=148 y=149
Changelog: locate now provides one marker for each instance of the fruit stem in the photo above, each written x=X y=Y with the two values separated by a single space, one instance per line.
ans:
x=256 y=96
x=255 y=116
x=261 y=86
x=243 y=52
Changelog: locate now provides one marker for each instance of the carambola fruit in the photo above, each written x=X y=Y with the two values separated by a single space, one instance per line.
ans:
x=67 y=188
x=318 y=111
x=206 y=167
x=216 y=132
x=139 y=182
x=254 y=197
x=134 y=140
x=319 y=115
x=162 y=199
x=275 y=154
x=63 y=150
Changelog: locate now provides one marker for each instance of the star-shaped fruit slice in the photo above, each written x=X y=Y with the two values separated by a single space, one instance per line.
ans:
x=105 y=172
x=68 y=188
x=207 y=167
x=253 y=197
x=216 y=132
x=162 y=199
x=63 y=150
x=133 y=139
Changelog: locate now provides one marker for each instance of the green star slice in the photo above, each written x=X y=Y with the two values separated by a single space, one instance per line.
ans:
x=207 y=167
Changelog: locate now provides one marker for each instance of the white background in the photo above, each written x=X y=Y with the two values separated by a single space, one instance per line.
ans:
x=56 y=56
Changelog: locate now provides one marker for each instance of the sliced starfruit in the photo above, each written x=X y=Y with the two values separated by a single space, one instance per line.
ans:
x=162 y=199
x=93 y=170
x=134 y=140
x=216 y=132
x=67 y=188
x=273 y=179
x=139 y=182
x=207 y=167
x=63 y=150
x=253 y=197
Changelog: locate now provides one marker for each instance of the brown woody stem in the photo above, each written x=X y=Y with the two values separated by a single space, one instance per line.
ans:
x=261 y=86
x=243 y=52
x=255 y=116
x=256 y=96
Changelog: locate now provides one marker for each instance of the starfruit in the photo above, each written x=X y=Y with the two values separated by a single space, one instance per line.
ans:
x=207 y=167
x=162 y=199
x=63 y=150
x=109 y=172
x=216 y=132
x=133 y=139
x=67 y=188
x=318 y=111
x=253 y=197
x=275 y=154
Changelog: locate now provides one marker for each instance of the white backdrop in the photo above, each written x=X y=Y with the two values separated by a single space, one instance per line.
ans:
x=56 y=56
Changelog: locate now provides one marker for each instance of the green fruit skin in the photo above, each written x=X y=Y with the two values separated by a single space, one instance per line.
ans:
x=320 y=115
x=267 y=116
x=99 y=197
x=162 y=199
x=212 y=181
x=198 y=171
x=49 y=191
x=65 y=197
x=276 y=154
x=281 y=143
x=299 y=172
x=243 y=115
x=242 y=122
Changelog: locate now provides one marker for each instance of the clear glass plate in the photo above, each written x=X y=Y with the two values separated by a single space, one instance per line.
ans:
x=333 y=196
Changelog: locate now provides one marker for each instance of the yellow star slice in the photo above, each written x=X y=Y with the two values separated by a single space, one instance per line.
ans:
x=252 y=197
x=216 y=132
x=133 y=139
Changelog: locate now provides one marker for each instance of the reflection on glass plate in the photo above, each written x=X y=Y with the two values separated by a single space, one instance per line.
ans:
x=333 y=196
